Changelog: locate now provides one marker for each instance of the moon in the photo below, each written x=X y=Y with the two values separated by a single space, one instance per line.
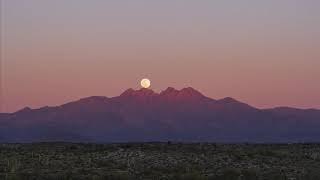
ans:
x=145 y=83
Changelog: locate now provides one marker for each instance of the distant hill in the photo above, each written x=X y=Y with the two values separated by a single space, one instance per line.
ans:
x=172 y=115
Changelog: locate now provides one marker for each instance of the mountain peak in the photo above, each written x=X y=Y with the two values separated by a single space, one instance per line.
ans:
x=189 y=91
x=25 y=109
x=228 y=100
x=169 y=91
x=141 y=92
x=185 y=93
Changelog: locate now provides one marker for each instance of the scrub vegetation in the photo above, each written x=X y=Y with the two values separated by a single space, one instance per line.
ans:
x=198 y=161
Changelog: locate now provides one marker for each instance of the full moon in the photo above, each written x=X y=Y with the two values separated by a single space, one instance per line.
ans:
x=145 y=83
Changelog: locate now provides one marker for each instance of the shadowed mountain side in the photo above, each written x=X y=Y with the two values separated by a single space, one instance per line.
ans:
x=176 y=115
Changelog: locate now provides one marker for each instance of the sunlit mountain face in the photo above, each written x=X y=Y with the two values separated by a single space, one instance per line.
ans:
x=171 y=115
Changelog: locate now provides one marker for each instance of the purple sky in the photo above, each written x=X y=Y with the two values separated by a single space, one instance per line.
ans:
x=264 y=53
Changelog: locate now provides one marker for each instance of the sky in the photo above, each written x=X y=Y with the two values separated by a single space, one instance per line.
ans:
x=265 y=53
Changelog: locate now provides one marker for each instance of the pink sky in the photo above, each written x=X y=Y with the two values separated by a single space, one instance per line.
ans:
x=266 y=54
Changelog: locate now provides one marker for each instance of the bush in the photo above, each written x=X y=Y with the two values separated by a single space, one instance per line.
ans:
x=229 y=174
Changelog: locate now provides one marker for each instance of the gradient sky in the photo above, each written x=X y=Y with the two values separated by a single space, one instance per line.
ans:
x=265 y=53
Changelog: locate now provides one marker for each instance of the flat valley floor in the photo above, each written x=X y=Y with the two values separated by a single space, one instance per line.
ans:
x=205 y=161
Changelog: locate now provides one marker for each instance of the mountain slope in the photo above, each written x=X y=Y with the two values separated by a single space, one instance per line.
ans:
x=143 y=115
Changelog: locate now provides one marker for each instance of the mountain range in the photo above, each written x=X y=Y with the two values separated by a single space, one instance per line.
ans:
x=183 y=115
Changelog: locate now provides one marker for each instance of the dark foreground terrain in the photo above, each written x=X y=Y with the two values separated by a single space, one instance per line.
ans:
x=160 y=161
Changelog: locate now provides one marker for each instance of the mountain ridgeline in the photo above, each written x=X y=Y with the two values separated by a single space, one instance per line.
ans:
x=183 y=115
